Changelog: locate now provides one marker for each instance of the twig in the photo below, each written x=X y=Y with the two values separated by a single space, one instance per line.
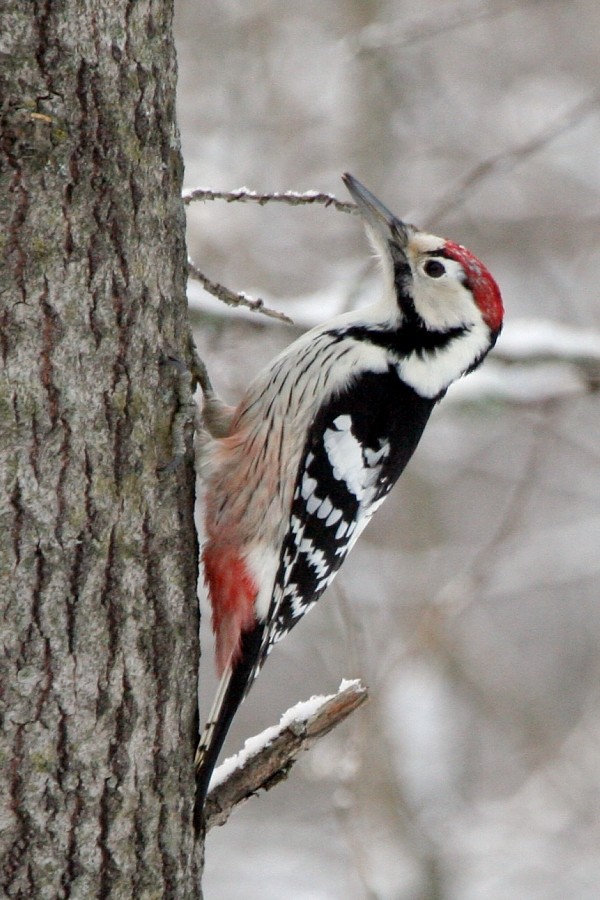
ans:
x=243 y=195
x=235 y=299
x=292 y=198
x=383 y=36
x=278 y=750
x=511 y=157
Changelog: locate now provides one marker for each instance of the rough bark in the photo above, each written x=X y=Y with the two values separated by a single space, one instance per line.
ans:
x=98 y=612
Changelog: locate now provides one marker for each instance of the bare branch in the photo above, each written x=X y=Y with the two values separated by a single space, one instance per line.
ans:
x=243 y=195
x=381 y=36
x=235 y=299
x=277 y=750
x=507 y=159
x=292 y=198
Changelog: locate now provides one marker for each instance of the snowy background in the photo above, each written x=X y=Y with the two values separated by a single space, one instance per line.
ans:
x=471 y=605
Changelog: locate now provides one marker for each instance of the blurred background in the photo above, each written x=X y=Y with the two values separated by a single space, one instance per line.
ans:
x=470 y=605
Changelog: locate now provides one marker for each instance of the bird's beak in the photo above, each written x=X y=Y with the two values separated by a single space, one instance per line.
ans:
x=382 y=221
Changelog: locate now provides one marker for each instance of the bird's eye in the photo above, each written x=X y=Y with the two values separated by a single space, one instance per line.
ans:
x=434 y=268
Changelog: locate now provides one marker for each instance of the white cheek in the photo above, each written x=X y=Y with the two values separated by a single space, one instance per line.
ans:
x=443 y=302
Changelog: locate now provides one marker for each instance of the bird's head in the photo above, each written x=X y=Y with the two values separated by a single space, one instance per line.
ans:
x=439 y=284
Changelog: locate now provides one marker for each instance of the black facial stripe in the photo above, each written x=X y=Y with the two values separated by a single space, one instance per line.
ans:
x=412 y=337
x=402 y=274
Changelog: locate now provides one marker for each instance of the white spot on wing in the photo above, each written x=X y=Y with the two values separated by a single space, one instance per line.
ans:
x=325 y=509
x=342 y=529
x=345 y=455
x=296 y=525
x=374 y=457
x=312 y=504
x=316 y=558
x=308 y=486
x=334 y=517
x=343 y=423
x=300 y=607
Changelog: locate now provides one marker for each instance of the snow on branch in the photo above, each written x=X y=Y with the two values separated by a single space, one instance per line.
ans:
x=266 y=758
x=292 y=198
x=245 y=195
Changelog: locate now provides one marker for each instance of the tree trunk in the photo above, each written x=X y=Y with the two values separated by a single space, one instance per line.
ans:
x=98 y=555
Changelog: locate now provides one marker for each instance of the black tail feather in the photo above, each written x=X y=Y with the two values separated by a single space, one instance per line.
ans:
x=238 y=687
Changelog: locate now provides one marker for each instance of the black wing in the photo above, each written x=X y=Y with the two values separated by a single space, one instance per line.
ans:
x=357 y=447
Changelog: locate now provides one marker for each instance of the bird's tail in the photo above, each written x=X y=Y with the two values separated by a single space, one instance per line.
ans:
x=233 y=687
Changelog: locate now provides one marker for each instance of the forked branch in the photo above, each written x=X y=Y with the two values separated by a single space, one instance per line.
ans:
x=243 y=195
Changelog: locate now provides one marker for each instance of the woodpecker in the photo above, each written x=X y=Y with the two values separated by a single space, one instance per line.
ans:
x=295 y=472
